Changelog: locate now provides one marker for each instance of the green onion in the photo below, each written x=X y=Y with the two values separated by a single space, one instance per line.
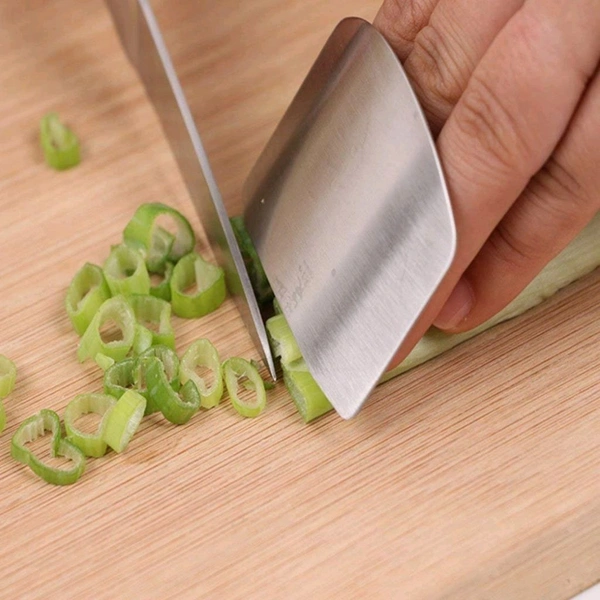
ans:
x=283 y=342
x=88 y=290
x=123 y=420
x=125 y=271
x=120 y=377
x=308 y=397
x=8 y=375
x=35 y=427
x=170 y=364
x=154 y=315
x=256 y=272
x=115 y=311
x=203 y=354
x=237 y=373
x=176 y=408
x=145 y=232
x=162 y=289
x=142 y=340
x=192 y=271
x=59 y=144
x=91 y=444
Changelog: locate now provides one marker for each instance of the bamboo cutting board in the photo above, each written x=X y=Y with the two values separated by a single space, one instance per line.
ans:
x=476 y=475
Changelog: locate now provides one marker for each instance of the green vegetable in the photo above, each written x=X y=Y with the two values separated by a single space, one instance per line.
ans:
x=239 y=373
x=202 y=354
x=125 y=271
x=147 y=232
x=162 y=289
x=308 y=397
x=91 y=444
x=154 y=315
x=120 y=377
x=256 y=272
x=59 y=144
x=177 y=408
x=197 y=287
x=283 y=342
x=35 y=427
x=123 y=420
x=8 y=375
x=114 y=311
x=86 y=293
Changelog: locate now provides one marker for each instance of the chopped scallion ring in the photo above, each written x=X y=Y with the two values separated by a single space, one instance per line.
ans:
x=125 y=271
x=115 y=311
x=162 y=289
x=283 y=342
x=59 y=143
x=308 y=397
x=120 y=377
x=87 y=292
x=197 y=287
x=8 y=375
x=177 y=408
x=142 y=340
x=239 y=373
x=147 y=231
x=170 y=363
x=35 y=427
x=91 y=444
x=123 y=420
x=202 y=354
x=154 y=315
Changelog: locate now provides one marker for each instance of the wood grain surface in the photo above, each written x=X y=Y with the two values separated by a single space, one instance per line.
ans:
x=476 y=475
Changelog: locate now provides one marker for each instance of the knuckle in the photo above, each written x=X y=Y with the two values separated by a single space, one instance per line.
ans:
x=433 y=67
x=486 y=121
x=401 y=20
x=516 y=252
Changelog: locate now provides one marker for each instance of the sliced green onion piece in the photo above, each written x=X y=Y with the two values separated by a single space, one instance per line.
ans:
x=35 y=427
x=91 y=444
x=145 y=232
x=2 y=417
x=202 y=353
x=239 y=372
x=120 y=377
x=170 y=363
x=256 y=272
x=269 y=385
x=115 y=311
x=123 y=420
x=282 y=339
x=142 y=340
x=103 y=361
x=86 y=293
x=154 y=315
x=177 y=408
x=125 y=271
x=308 y=397
x=8 y=375
x=162 y=289
x=192 y=271
x=59 y=143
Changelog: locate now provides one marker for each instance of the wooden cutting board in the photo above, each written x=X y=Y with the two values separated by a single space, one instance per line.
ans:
x=476 y=475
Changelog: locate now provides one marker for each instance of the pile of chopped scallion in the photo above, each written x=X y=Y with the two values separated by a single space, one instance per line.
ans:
x=124 y=323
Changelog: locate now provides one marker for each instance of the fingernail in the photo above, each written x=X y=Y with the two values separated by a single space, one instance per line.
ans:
x=457 y=307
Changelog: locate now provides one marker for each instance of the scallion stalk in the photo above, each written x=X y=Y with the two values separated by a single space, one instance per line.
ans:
x=8 y=375
x=154 y=315
x=283 y=342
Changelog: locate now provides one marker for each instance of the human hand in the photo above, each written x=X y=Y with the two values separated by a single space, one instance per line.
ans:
x=511 y=89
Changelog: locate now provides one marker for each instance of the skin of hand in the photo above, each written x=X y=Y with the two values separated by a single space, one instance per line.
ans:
x=511 y=90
